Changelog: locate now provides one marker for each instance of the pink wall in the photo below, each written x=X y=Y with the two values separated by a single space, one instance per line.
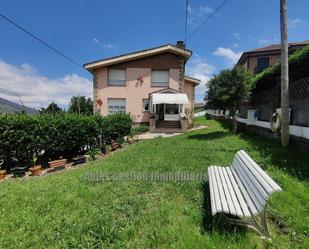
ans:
x=134 y=92
x=190 y=91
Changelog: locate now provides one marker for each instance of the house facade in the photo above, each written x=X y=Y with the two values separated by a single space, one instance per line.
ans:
x=150 y=84
x=259 y=59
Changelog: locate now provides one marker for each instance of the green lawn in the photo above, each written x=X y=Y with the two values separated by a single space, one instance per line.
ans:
x=61 y=211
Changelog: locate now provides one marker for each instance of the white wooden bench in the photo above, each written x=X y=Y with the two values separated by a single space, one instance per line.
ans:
x=242 y=190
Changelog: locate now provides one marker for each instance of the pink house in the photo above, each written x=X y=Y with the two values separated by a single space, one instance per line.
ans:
x=150 y=84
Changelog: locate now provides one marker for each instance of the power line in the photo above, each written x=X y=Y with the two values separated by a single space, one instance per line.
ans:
x=9 y=92
x=41 y=41
x=12 y=94
x=186 y=20
x=220 y=6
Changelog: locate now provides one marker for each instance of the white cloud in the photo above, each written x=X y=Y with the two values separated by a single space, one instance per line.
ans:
x=200 y=69
x=237 y=36
x=196 y=15
x=265 y=41
x=206 y=9
x=38 y=91
x=107 y=46
x=235 y=45
x=228 y=54
x=293 y=23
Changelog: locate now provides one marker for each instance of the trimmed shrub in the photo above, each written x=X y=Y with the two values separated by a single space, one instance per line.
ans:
x=140 y=129
x=52 y=136
x=116 y=126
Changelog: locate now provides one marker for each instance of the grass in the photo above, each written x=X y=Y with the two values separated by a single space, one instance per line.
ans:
x=61 y=211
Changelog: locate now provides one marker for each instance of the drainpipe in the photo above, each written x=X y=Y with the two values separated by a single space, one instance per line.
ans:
x=95 y=92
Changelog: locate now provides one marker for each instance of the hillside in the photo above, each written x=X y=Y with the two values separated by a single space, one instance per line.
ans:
x=7 y=106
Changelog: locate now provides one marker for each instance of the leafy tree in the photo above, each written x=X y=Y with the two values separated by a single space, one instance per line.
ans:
x=52 y=108
x=229 y=89
x=81 y=105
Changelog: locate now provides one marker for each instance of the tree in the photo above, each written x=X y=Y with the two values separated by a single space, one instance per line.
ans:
x=229 y=89
x=52 y=108
x=81 y=105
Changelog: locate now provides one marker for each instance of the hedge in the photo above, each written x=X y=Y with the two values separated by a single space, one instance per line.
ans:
x=298 y=69
x=140 y=129
x=52 y=136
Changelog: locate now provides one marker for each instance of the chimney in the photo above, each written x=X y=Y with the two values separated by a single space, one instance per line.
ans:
x=180 y=44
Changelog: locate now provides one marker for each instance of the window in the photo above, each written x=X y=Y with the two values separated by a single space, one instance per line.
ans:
x=262 y=63
x=117 y=77
x=171 y=109
x=116 y=105
x=145 y=105
x=160 y=78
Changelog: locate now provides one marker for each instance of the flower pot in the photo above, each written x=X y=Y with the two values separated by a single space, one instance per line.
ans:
x=115 y=146
x=19 y=171
x=184 y=122
x=57 y=164
x=2 y=174
x=78 y=160
x=36 y=170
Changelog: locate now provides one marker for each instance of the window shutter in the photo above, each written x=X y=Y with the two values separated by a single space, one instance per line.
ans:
x=117 y=77
x=159 y=77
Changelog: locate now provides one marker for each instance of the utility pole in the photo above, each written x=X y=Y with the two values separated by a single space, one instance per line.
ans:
x=78 y=105
x=285 y=119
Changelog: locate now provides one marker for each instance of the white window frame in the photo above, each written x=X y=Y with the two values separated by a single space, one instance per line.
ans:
x=143 y=105
x=118 y=80
x=160 y=83
x=116 y=107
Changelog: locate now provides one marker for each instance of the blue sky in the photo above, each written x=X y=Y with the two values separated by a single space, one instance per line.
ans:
x=90 y=30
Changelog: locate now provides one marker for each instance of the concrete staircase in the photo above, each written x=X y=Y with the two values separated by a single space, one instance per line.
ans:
x=168 y=125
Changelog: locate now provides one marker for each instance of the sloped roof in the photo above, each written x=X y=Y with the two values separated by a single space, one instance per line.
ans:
x=138 y=54
x=273 y=48
x=278 y=46
x=193 y=80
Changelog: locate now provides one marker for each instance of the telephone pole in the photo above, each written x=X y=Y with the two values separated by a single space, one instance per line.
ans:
x=285 y=116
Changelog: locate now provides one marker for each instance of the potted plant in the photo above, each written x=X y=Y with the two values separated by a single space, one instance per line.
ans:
x=57 y=164
x=120 y=141
x=2 y=171
x=104 y=149
x=92 y=154
x=17 y=170
x=78 y=160
x=36 y=169
x=114 y=145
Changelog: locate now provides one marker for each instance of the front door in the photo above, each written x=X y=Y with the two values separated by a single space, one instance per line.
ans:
x=171 y=112
x=160 y=111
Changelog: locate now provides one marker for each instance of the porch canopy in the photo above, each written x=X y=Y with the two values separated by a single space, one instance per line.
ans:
x=169 y=98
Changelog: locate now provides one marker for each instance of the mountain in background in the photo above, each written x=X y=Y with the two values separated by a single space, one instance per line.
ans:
x=7 y=106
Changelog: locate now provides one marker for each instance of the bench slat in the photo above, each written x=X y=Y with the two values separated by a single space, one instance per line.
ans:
x=263 y=174
x=212 y=191
x=226 y=191
x=221 y=192
x=268 y=189
x=240 y=199
x=255 y=196
x=216 y=191
x=258 y=189
x=244 y=192
x=232 y=200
